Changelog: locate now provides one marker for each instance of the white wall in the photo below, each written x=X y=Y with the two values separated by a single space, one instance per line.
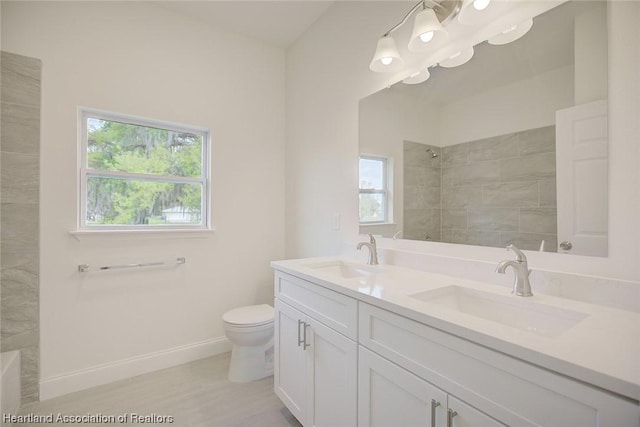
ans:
x=328 y=74
x=501 y=110
x=138 y=58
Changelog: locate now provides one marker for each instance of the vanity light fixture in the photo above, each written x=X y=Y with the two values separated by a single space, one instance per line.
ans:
x=387 y=57
x=417 y=77
x=458 y=58
x=474 y=12
x=428 y=29
x=481 y=4
x=512 y=33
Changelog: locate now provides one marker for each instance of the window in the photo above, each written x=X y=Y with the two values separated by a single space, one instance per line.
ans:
x=374 y=196
x=142 y=174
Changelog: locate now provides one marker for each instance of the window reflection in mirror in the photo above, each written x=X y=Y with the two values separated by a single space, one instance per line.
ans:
x=374 y=193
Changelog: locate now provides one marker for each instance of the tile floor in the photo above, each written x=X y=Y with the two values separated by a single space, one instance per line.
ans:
x=195 y=394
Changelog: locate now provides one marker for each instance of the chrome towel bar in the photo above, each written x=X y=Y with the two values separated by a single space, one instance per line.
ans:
x=84 y=268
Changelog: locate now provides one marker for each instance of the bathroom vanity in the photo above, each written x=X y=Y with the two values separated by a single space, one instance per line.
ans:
x=391 y=346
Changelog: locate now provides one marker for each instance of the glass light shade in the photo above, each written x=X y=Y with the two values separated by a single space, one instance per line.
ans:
x=426 y=22
x=386 y=57
x=480 y=4
x=511 y=34
x=417 y=77
x=475 y=12
x=459 y=58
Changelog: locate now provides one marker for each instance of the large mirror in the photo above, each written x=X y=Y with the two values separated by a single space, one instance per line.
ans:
x=510 y=147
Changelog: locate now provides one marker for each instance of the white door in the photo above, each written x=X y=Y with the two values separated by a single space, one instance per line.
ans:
x=390 y=396
x=582 y=178
x=289 y=376
x=463 y=415
x=332 y=377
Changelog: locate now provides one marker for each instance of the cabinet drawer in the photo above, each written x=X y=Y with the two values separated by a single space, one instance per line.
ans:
x=337 y=311
x=510 y=390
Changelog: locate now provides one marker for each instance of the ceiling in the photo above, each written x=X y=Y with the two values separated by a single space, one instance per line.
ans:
x=277 y=23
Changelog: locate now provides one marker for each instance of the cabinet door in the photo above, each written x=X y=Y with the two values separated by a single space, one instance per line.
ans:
x=289 y=374
x=463 y=415
x=332 y=377
x=390 y=396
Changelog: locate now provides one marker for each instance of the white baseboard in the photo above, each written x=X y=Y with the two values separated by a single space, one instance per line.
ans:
x=127 y=368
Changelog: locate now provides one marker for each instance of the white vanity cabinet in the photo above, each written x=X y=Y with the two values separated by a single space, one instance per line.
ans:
x=346 y=360
x=392 y=396
x=505 y=390
x=315 y=371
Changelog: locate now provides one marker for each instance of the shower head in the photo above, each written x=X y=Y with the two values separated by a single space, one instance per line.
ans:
x=433 y=155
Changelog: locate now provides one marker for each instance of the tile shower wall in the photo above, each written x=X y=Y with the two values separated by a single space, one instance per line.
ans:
x=492 y=191
x=19 y=200
x=422 y=192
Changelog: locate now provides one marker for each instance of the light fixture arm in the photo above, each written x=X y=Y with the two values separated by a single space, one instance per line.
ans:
x=445 y=10
x=406 y=17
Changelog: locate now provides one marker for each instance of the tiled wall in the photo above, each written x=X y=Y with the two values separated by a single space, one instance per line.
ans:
x=19 y=199
x=492 y=191
x=422 y=192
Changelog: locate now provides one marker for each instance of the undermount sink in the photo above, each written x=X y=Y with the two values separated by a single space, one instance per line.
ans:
x=344 y=270
x=513 y=311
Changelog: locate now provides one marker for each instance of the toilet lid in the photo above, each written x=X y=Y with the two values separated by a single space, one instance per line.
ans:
x=249 y=315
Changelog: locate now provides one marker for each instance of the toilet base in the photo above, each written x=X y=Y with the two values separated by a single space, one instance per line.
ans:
x=250 y=363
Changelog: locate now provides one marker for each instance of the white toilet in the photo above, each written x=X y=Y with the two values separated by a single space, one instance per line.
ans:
x=250 y=330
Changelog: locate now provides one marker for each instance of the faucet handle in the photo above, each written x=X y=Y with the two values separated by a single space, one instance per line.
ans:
x=520 y=257
x=372 y=239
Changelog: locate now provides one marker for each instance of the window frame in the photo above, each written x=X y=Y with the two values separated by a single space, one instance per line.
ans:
x=384 y=191
x=85 y=172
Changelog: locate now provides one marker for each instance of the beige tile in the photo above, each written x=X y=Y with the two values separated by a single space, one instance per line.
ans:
x=548 y=193
x=454 y=218
x=196 y=394
x=20 y=80
x=20 y=128
x=420 y=223
x=17 y=341
x=29 y=361
x=19 y=224
x=20 y=178
x=534 y=167
x=462 y=197
x=421 y=175
x=455 y=155
x=515 y=194
x=476 y=237
x=536 y=141
x=495 y=148
x=494 y=219
x=27 y=261
x=539 y=220
x=530 y=241
x=421 y=197
x=416 y=154
x=447 y=177
x=477 y=173
x=19 y=317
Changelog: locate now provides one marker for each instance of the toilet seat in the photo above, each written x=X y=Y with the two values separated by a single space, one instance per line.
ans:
x=249 y=316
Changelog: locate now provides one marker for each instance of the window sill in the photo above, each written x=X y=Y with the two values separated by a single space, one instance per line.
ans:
x=377 y=224
x=142 y=234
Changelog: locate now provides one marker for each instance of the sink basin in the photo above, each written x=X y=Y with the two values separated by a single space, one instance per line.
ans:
x=344 y=270
x=516 y=312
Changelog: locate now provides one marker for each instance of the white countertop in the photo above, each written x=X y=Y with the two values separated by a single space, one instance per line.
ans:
x=602 y=349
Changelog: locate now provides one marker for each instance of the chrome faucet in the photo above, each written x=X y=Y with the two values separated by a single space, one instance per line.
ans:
x=373 y=251
x=521 y=285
